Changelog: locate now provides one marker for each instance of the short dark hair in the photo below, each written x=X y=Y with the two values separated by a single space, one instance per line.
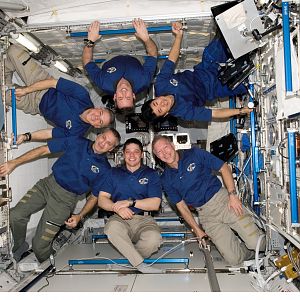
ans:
x=115 y=133
x=147 y=112
x=133 y=141
x=125 y=110
x=111 y=115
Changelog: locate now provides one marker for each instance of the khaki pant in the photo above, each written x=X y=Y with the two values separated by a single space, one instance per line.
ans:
x=57 y=203
x=136 y=239
x=220 y=223
x=30 y=72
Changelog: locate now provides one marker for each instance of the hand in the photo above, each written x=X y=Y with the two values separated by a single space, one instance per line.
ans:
x=73 y=221
x=203 y=241
x=202 y=237
x=177 y=29
x=125 y=213
x=21 y=92
x=93 y=31
x=120 y=204
x=199 y=233
x=21 y=138
x=236 y=204
x=141 y=30
x=7 y=168
x=245 y=110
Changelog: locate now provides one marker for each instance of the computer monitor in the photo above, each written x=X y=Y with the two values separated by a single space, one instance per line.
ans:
x=236 y=24
x=168 y=123
x=134 y=123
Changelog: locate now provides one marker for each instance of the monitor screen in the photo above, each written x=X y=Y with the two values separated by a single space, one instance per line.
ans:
x=134 y=123
x=168 y=123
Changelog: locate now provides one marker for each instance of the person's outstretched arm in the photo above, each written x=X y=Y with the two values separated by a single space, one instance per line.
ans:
x=39 y=135
x=234 y=202
x=9 y=166
x=230 y=112
x=93 y=35
x=91 y=202
x=189 y=218
x=175 y=50
x=37 y=86
x=142 y=34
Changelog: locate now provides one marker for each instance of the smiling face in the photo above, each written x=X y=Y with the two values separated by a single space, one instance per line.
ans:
x=162 y=105
x=98 y=117
x=165 y=151
x=105 y=142
x=124 y=96
x=132 y=156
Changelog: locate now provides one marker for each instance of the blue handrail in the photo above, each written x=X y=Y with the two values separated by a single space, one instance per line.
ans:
x=124 y=261
x=293 y=178
x=14 y=116
x=121 y=31
x=101 y=60
x=165 y=235
x=255 y=165
x=287 y=47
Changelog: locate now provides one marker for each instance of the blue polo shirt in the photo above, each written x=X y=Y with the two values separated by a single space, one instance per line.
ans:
x=191 y=89
x=79 y=167
x=63 y=107
x=123 y=184
x=127 y=67
x=193 y=181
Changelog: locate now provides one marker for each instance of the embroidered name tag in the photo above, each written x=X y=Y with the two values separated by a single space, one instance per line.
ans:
x=143 y=181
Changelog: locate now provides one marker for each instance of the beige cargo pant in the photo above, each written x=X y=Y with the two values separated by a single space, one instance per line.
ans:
x=30 y=71
x=220 y=223
x=135 y=239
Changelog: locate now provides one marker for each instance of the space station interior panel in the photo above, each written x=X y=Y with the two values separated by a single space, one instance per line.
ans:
x=262 y=148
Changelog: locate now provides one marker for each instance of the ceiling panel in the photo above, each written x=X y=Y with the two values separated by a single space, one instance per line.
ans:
x=198 y=33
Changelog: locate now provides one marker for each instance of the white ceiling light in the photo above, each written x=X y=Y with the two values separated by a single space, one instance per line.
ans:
x=21 y=39
x=60 y=66
x=5 y=5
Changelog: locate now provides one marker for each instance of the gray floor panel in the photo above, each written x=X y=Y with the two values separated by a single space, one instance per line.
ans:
x=186 y=282
x=87 y=283
x=172 y=283
x=235 y=282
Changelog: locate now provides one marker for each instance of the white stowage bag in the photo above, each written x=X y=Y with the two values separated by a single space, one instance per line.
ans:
x=287 y=105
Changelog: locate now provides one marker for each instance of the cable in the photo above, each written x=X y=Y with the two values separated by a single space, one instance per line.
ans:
x=251 y=211
x=257 y=254
x=272 y=276
x=130 y=267
x=281 y=147
x=244 y=167
x=48 y=283
x=172 y=249
x=260 y=282
x=106 y=258
x=292 y=258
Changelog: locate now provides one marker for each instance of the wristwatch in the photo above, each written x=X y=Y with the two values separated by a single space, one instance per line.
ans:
x=88 y=43
x=232 y=193
x=133 y=203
